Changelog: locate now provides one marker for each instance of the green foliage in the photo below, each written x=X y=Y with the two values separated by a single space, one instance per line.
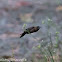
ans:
x=43 y=22
x=48 y=50
x=24 y=26
x=39 y=46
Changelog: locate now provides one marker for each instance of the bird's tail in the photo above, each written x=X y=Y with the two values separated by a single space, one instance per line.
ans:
x=22 y=34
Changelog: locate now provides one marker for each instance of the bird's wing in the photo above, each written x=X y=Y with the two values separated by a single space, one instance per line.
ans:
x=30 y=28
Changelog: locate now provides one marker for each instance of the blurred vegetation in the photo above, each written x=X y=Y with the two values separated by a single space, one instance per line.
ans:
x=47 y=49
x=49 y=52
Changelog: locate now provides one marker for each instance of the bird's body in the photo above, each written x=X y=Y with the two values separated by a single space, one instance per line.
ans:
x=30 y=30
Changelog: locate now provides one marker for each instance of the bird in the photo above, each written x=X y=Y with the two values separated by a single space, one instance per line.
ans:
x=30 y=30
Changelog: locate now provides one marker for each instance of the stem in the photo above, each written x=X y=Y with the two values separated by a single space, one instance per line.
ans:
x=51 y=54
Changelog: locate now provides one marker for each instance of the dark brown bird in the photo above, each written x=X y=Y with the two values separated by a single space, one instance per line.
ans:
x=30 y=30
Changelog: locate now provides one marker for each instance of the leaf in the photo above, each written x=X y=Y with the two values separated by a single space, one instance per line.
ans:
x=43 y=22
x=24 y=26
x=38 y=46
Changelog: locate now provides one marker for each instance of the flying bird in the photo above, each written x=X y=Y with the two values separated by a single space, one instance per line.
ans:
x=30 y=30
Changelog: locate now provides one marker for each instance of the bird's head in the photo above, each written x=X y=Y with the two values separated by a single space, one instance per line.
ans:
x=38 y=27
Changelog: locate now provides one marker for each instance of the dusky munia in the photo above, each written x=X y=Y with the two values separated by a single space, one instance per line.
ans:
x=30 y=30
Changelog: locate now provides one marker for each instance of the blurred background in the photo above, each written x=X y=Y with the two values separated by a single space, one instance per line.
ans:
x=42 y=46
